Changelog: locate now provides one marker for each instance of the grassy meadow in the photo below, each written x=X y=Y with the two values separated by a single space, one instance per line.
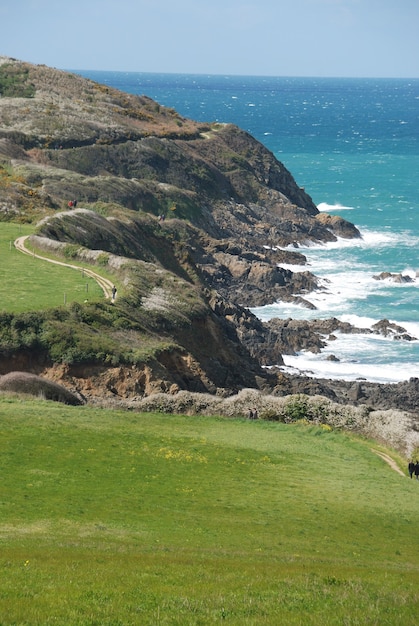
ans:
x=119 y=518
x=40 y=284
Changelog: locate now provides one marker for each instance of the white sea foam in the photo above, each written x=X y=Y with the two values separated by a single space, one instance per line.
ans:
x=339 y=293
x=368 y=239
x=346 y=275
x=350 y=370
x=373 y=357
x=325 y=207
x=349 y=291
x=373 y=238
x=359 y=321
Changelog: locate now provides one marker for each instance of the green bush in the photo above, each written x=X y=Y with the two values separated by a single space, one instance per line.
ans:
x=71 y=250
x=296 y=409
x=14 y=82
x=102 y=259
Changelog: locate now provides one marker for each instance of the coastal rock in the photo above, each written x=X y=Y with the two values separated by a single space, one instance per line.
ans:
x=293 y=336
x=251 y=278
x=387 y=328
x=395 y=278
x=338 y=226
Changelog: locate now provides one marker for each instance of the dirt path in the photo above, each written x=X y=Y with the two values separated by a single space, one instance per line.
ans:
x=390 y=461
x=105 y=284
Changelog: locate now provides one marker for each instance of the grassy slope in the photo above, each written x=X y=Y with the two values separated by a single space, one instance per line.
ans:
x=120 y=518
x=29 y=284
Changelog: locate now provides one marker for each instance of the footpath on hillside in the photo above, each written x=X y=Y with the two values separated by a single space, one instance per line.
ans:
x=105 y=284
x=389 y=460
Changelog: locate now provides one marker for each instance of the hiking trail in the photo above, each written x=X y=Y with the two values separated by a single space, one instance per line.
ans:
x=105 y=284
x=390 y=461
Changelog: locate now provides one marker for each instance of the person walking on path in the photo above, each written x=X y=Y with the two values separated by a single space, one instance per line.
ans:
x=417 y=470
x=411 y=468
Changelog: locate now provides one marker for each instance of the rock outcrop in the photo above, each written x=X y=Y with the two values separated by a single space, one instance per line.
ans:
x=395 y=278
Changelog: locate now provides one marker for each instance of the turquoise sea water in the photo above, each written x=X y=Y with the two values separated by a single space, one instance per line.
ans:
x=354 y=145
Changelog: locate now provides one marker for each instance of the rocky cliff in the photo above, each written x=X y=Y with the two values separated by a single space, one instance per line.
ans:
x=193 y=219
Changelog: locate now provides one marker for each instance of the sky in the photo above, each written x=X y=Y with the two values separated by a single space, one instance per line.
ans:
x=345 y=38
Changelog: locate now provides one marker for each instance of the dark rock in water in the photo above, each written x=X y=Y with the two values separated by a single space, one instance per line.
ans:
x=404 y=337
x=339 y=226
x=388 y=329
x=302 y=302
x=293 y=336
x=395 y=278
x=296 y=335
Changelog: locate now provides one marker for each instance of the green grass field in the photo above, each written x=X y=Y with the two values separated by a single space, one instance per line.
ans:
x=117 y=518
x=30 y=284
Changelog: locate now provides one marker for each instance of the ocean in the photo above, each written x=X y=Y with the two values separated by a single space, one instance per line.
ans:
x=353 y=144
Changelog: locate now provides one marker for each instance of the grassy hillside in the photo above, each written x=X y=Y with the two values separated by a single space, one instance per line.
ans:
x=122 y=518
x=30 y=284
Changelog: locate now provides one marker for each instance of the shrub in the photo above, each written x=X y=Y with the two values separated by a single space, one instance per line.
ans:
x=14 y=82
x=102 y=259
x=71 y=250
x=392 y=427
x=23 y=382
x=296 y=408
